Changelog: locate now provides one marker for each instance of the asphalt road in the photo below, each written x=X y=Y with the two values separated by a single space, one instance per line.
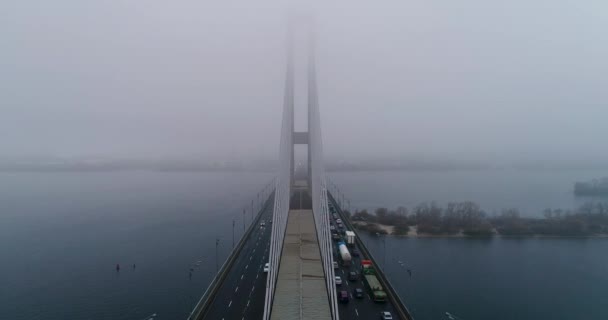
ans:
x=364 y=308
x=242 y=293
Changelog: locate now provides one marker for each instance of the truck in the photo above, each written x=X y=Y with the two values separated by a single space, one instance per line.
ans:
x=344 y=254
x=350 y=238
x=371 y=281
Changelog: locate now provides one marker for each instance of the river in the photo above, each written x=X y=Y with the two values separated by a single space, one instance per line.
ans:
x=62 y=234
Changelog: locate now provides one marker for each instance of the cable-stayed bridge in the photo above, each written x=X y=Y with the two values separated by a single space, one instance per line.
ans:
x=288 y=263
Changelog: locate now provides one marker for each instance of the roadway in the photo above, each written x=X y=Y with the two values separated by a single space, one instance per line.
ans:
x=242 y=293
x=357 y=308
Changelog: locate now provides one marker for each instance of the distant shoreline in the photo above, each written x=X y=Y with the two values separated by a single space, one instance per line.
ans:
x=412 y=233
x=467 y=220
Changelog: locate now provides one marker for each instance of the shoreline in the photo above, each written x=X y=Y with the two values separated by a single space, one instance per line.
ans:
x=413 y=233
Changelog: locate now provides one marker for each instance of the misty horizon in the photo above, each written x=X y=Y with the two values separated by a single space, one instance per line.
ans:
x=459 y=83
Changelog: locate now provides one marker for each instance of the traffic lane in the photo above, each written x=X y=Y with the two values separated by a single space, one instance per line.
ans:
x=249 y=266
x=255 y=303
x=364 y=308
x=223 y=303
x=359 y=308
x=245 y=287
x=254 y=280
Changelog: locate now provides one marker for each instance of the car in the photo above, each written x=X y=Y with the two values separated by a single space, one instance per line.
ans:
x=385 y=315
x=355 y=252
x=332 y=227
x=339 y=221
x=353 y=276
x=262 y=224
x=338 y=280
x=343 y=296
x=266 y=267
x=335 y=265
x=358 y=293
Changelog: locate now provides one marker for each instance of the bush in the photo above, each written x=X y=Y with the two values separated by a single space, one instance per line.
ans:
x=401 y=229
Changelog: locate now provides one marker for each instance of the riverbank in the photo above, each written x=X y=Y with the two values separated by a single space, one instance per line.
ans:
x=413 y=233
x=467 y=219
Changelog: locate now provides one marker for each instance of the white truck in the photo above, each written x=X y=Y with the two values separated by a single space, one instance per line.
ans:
x=344 y=254
x=350 y=238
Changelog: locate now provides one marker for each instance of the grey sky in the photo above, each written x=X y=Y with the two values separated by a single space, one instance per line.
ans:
x=502 y=81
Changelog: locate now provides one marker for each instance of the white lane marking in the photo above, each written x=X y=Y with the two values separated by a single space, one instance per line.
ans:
x=250 y=257
x=257 y=275
x=242 y=276
x=248 y=302
x=230 y=304
x=252 y=288
x=368 y=297
x=351 y=296
x=247 y=266
x=237 y=289
x=357 y=312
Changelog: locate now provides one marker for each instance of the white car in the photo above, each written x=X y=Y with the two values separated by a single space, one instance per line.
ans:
x=385 y=315
x=263 y=224
x=338 y=281
x=266 y=267
x=338 y=220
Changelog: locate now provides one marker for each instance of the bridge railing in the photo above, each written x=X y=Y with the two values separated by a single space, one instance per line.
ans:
x=205 y=302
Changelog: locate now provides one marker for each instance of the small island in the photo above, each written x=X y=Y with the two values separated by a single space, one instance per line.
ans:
x=595 y=187
x=466 y=219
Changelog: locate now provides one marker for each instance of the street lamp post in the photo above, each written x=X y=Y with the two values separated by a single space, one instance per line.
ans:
x=244 y=221
x=217 y=266
x=383 y=248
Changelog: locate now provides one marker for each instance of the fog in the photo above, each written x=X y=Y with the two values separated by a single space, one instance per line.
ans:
x=471 y=80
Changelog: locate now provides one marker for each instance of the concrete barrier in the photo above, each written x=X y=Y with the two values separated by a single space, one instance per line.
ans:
x=402 y=310
x=209 y=296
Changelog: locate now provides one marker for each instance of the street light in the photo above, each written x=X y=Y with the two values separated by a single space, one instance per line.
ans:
x=217 y=266
x=244 y=221
x=383 y=248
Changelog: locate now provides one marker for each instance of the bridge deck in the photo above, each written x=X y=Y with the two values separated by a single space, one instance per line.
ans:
x=300 y=292
x=241 y=295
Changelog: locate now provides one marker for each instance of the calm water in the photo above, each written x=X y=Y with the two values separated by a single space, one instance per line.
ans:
x=477 y=279
x=61 y=234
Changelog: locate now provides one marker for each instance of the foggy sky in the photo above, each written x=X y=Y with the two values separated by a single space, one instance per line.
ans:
x=465 y=80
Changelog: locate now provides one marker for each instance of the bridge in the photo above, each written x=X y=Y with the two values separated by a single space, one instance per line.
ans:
x=288 y=265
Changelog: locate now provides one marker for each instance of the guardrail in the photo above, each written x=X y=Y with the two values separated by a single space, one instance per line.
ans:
x=207 y=299
x=402 y=310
